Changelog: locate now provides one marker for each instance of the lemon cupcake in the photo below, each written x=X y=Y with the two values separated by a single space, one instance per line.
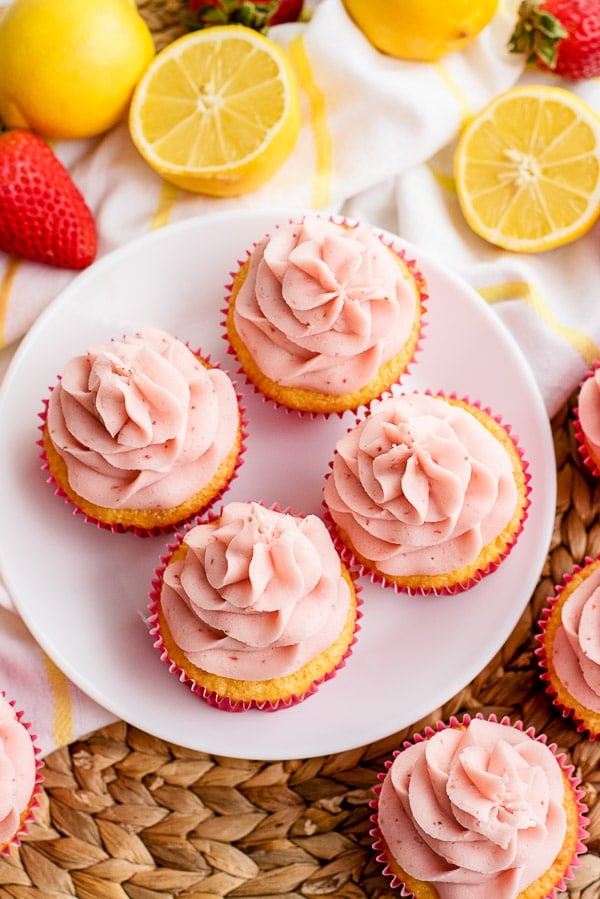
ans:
x=478 y=807
x=324 y=315
x=569 y=650
x=587 y=420
x=427 y=493
x=20 y=777
x=254 y=608
x=141 y=433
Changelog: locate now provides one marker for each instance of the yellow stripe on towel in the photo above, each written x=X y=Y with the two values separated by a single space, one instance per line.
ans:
x=63 y=710
x=463 y=104
x=166 y=201
x=6 y=284
x=523 y=290
x=321 y=189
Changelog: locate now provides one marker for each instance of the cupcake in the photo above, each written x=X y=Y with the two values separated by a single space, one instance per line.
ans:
x=478 y=808
x=324 y=316
x=569 y=650
x=587 y=420
x=20 y=780
x=254 y=608
x=427 y=493
x=141 y=433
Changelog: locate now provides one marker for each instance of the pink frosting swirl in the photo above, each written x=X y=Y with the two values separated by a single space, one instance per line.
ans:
x=588 y=412
x=420 y=473
x=17 y=771
x=576 y=649
x=323 y=306
x=141 y=422
x=258 y=594
x=477 y=812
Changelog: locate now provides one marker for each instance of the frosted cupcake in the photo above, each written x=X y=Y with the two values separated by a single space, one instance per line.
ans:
x=254 y=608
x=478 y=808
x=20 y=779
x=428 y=494
x=569 y=651
x=324 y=316
x=587 y=420
x=142 y=433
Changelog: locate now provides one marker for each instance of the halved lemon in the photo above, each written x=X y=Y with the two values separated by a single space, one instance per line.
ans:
x=217 y=111
x=527 y=169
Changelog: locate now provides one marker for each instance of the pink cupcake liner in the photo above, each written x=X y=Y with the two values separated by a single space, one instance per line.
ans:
x=136 y=530
x=214 y=699
x=378 y=843
x=580 y=440
x=419 y=279
x=350 y=558
x=568 y=712
x=15 y=841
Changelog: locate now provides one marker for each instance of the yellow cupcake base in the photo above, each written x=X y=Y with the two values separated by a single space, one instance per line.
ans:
x=313 y=401
x=142 y=519
x=538 y=889
x=271 y=693
x=491 y=554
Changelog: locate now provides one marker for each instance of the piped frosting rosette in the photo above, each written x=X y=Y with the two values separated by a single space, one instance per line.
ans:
x=427 y=493
x=20 y=774
x=569 y=646
x=477 y=808
x=141 y=433
x=325 y=314
x=586 y=415
x=253 y=608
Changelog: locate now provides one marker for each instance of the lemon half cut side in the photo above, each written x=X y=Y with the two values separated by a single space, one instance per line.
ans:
x=527 y=169
x=217 y=111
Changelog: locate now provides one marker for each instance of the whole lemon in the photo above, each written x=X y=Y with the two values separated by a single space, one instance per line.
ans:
x=68 y=67
x=422 y=30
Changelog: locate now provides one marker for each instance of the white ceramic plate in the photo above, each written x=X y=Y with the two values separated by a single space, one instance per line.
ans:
x=83 y=591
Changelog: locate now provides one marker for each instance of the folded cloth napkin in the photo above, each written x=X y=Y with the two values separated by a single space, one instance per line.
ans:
x=376 y=143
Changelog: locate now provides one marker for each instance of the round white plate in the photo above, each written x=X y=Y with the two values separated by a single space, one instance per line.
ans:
x=83 y=591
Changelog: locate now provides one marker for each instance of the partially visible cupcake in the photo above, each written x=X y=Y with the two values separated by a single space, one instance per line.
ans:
x=427 y=493
x=141 y=433
x=20 y=778
x=569 y=650
x=254 y=608
x=587 y=420
x=478 y=808
x=324 y=316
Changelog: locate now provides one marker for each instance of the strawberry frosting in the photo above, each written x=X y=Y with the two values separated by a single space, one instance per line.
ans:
x=141 y=422
x=17 y=771
x=258 y=594
x=476 y=812
x=323 y=306
x=576 y=650
x=419 y=486
x=588 y=412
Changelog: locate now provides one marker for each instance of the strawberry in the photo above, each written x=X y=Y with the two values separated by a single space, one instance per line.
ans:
x=560 y=35
x=43 y=216
x=259 y=16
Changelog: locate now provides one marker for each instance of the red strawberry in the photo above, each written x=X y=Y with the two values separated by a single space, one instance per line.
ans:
x=259 y=16
x=43 y=216
x=560 y=35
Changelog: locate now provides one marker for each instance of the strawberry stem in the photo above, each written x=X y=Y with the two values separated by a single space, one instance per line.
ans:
x=537 y=34
x=241 y=12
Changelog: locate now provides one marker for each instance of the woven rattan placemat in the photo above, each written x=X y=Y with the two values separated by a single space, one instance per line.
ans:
x=124 y=815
